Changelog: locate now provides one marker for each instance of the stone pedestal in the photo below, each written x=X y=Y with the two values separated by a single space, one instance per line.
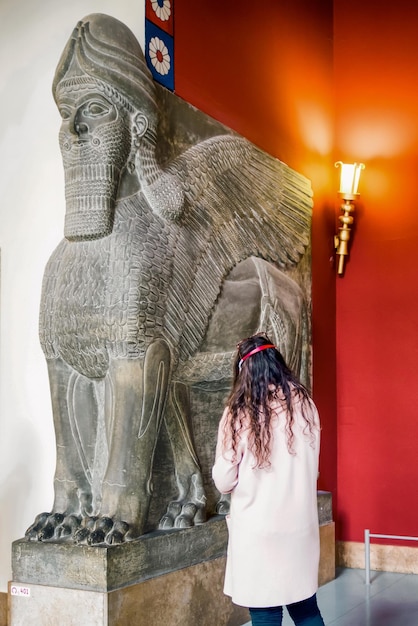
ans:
x=101 y=568
x=185 y=597
x=172 y=578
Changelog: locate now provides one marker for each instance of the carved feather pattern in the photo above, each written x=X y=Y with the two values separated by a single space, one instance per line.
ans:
x=155 y=276
x=239 y=202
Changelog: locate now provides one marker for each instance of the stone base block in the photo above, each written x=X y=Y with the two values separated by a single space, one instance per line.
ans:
x=327 y=559
x=186 y=597
x=173 y=578
x=107 y=568
x=183 y=598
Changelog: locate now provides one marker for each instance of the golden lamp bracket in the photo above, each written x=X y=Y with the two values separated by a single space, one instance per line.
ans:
x=349 y=180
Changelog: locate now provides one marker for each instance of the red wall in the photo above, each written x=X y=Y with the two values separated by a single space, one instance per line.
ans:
x=376 y=61
x=265 y=70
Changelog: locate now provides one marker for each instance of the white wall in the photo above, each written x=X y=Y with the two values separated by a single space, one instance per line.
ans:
x=32 y=36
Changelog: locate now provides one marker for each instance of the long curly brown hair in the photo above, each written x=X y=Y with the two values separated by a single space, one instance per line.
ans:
x=259 y=380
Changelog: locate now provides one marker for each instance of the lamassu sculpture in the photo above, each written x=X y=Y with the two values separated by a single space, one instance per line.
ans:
x=169 y=258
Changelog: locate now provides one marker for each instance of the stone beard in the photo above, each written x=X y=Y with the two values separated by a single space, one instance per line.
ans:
x=93 y=167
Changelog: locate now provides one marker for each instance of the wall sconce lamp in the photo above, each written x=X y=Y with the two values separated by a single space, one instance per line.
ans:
x=349 y=180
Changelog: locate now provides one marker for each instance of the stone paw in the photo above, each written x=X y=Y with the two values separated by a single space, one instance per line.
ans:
x=44 y=526
x=89 y=530
x=120 y=533
x=87 y=526
x=68 y=527
x=100 y=529
x=36 y=527
x=95 y=531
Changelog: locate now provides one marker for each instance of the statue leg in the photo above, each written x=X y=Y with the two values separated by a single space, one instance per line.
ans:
x=190 y=506
x=74 y=428
x=139 y=391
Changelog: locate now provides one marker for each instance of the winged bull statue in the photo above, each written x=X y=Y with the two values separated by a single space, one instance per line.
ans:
x=162 y=269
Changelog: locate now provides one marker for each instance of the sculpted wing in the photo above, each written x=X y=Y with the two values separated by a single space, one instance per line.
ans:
x=238 y=202
x=252 y=202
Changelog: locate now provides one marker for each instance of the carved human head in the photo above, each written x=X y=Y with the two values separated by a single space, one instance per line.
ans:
x=107 y=98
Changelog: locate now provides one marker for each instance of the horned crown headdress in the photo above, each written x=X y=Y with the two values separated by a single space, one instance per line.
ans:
x=104 y=49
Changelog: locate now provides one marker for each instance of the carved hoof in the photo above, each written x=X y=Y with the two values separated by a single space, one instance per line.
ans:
x=182 y=516
x=166 y=522
x=186 y=517
x=200 y=516
x=223 y=506
x=169 y=519
x=188 y=510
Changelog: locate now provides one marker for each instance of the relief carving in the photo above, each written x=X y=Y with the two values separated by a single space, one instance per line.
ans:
x=176 y=245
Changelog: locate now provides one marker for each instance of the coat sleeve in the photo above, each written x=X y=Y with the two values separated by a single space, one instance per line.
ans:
x=225 y=471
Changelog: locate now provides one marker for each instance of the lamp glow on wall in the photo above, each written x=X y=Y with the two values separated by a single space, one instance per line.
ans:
x=349 y=180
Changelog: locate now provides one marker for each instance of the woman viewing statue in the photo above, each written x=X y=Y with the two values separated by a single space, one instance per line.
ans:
x=267 y=459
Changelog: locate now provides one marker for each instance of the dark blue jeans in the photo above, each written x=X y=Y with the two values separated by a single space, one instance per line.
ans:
x=304 y=613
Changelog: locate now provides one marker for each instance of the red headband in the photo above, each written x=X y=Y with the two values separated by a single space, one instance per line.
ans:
x=268 y=345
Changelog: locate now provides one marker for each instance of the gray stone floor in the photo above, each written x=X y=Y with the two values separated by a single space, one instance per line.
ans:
x=390 y=600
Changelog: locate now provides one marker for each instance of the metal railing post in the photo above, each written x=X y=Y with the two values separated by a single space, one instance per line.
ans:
x=367 y=535
x=367 y=555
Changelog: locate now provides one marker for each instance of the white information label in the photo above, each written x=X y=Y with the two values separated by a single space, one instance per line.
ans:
x=17 y=590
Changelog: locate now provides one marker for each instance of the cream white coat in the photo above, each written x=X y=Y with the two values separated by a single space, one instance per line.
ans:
x=273 y=547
